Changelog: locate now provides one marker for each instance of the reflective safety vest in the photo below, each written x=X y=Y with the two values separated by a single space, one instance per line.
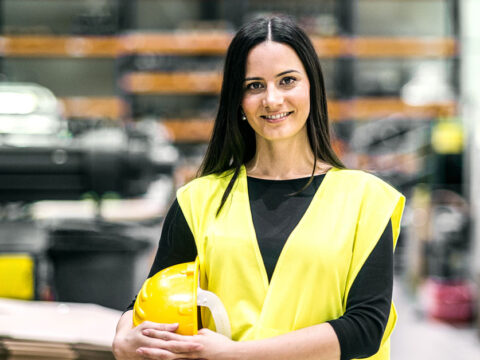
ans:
x=318 y=263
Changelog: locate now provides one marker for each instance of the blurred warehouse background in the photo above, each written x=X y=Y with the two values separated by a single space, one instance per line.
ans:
x=106 y=107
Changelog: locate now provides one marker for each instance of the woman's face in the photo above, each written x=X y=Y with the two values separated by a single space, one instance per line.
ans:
x=276 y=98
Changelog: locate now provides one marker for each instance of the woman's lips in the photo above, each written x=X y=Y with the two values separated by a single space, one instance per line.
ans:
x=276 y=117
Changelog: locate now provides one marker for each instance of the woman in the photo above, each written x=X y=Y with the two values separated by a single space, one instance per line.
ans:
x=299 y=249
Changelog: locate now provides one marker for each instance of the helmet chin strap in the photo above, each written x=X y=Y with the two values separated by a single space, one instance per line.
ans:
x=214 y=304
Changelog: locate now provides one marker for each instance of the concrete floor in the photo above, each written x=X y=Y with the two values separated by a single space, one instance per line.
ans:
x=419 y=338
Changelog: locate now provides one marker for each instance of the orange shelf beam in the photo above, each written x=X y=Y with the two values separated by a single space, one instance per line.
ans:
x=214 y=43
x=189 y=130
x=172 y=82
x=371 y=108
x=93 y=107
x=384 y=47
x=331 y=47
x=59 y=46
x=194 y=43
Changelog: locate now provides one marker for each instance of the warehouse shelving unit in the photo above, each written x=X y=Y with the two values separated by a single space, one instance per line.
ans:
x=166 y=65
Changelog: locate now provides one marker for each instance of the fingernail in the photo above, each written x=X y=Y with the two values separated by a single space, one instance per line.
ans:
x=173 y=326
x=140 y=351
x=146 y=332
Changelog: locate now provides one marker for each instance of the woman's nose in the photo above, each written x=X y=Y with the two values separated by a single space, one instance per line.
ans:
x=273 y=97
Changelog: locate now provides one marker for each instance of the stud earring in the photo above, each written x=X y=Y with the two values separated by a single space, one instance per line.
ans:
x=244 y=117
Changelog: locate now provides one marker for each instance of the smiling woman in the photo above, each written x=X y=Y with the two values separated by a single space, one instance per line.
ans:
x=276 y=103
x=298 y=248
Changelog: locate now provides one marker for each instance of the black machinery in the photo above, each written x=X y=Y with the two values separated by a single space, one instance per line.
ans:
x=73 y=260
x=67 y=172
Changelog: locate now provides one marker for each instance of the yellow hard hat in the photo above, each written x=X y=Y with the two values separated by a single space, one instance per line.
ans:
x=172 y=296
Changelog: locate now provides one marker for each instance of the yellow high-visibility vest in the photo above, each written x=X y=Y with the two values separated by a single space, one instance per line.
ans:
x=317 y=266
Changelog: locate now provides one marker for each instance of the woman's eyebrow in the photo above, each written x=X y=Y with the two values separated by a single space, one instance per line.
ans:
x=280 y=74
x=286 y=72
x=252 y=78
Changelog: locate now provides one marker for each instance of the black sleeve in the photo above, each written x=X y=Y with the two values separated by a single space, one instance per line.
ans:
x=361 y=328
x=176 y=244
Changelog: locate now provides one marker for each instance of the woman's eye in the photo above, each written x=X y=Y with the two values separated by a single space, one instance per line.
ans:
x=288 y=80
x=254 y=86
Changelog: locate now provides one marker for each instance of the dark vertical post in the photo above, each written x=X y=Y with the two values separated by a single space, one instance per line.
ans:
x=2 y=31
x=453 y=11
x=345 y=68
x=126 y=10
x=346 y=15
x=235 y=12
x=209 y=10
x=2 y=10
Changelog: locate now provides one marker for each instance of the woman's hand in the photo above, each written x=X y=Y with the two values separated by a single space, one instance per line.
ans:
x=211 y=346
x=151 y=340
x=215 y=346
x=163 y=344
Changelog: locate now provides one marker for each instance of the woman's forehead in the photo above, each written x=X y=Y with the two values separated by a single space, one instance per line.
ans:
x=272 y=58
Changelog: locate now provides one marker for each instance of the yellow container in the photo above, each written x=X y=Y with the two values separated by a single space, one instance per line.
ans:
x=17 y=276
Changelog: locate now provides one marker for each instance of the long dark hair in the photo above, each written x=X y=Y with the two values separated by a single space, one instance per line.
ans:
x=233 y=141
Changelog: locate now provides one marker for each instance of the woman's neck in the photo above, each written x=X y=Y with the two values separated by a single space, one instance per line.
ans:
x=279 y=160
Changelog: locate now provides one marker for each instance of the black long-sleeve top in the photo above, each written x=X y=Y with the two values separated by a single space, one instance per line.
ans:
x=276 y=209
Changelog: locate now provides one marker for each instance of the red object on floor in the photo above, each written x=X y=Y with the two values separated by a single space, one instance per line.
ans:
x=449 y=300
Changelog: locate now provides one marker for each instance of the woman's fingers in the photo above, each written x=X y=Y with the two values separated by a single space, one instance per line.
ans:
x=181 y=347
x=154 y=353
x=160 y=342
x=164 y=354
x=171 y=342
x=166 y=335
x=158 y=326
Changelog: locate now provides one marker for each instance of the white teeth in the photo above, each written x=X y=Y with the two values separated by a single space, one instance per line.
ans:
x=278 y=116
